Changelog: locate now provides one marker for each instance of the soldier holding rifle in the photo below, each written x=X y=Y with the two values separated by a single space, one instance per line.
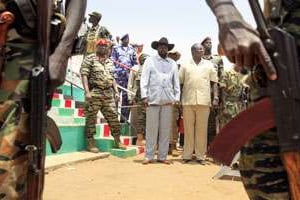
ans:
x=25 y=45
x=270 y=162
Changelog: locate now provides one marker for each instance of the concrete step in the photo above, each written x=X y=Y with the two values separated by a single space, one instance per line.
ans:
x=108 y=145
x=56 y=161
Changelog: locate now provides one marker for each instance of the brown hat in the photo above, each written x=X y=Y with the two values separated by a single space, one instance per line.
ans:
x=204 y=40
x=96 y=14
x=174 y=53
x=162 y=41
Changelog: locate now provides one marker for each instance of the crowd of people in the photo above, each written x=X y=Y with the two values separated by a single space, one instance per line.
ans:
x=169 y=105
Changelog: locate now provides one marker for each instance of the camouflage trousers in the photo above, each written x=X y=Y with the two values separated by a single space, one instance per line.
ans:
x=141 y=118
x=263 y=173
x=106 y=104
x=174 y=129
x=14 y=136
x=138 y=118
x=262 y=170
x=211 y=126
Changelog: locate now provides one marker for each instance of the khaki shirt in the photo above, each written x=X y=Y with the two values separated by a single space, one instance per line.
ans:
x=100 y=75
x=93 y=34
x=196 y=82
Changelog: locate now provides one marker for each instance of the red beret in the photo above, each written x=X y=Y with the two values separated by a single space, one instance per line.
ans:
x=102 y=42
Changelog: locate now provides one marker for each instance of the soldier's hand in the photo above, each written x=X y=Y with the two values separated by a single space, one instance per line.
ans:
x=88 y=96
x=215 y=102
x=241 y=43
x=117 y=97
x=145 y=102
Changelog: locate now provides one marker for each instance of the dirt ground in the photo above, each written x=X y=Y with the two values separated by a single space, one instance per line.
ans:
x=114 y=178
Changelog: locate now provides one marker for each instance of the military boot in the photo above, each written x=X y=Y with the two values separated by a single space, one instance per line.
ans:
x=91 y=146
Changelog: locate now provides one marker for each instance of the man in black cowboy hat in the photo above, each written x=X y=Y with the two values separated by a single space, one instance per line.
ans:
x=159 y=90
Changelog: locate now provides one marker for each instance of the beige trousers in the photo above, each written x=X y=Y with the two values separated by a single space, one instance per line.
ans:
x=195 y=119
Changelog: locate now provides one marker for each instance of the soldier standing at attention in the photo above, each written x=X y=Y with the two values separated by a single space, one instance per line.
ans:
x=232 y=87
x=136 y=99
x=15 y=76
x=123 y=55
x=101 y=92
x=262 y=164
x=174 y=55
x=96 y=32
x=218 y=63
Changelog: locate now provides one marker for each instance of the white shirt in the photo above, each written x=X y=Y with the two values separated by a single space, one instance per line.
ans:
x=160 y=81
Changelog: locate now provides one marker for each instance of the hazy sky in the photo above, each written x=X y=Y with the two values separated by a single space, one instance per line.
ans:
x=182 y=22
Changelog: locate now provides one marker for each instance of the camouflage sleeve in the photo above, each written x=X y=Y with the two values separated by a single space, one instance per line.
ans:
x=112 y=69
x=223 y=80
x=86 y=66
x=213 y=74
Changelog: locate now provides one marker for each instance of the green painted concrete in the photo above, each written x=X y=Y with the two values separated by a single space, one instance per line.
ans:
x=56 y=102
x=123 y=153
x=105 y=145
x=126 y=130
x=73 y=139
x=98 y=130
x=79 y=120
x=78 y=93
x=65 y=111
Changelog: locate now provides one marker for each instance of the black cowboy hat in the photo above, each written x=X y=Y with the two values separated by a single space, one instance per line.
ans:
x=161 y=41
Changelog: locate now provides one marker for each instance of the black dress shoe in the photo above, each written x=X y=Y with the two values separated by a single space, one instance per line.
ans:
x=201 y=162
x=184 y=161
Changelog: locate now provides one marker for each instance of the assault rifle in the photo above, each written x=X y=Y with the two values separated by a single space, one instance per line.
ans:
x=39 y=104
x=278 y=107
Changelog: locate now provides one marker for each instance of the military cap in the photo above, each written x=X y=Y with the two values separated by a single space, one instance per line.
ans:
x=124 y=36
x=143 y=57
x=96 y=14
x=204 y=40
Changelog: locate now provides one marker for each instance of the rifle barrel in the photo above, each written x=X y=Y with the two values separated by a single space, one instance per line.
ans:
x=259 y=19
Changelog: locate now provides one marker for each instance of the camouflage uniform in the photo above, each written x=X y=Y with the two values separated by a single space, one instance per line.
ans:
x=212 y=123
x=134 y=86
x=262 y=170
x=232 y=87
x=93 y=34
x=14 y=132
x=100 y=81
x=14 y=118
